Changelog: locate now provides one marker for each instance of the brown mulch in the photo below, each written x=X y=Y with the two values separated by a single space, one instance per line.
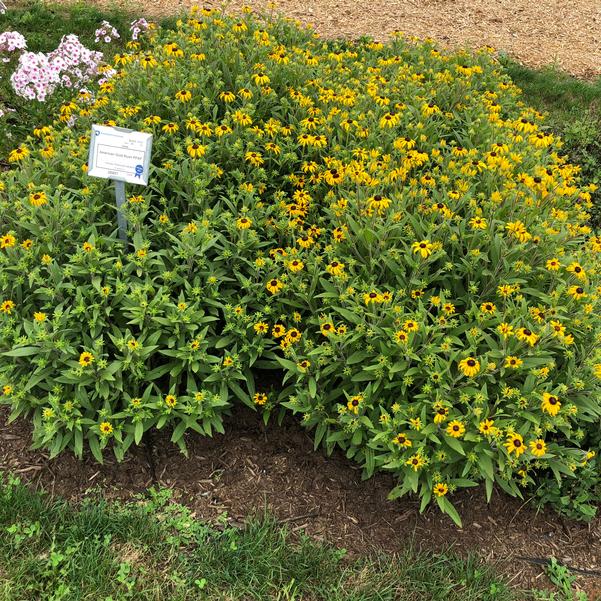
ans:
x=564 y=33
x=252 y=468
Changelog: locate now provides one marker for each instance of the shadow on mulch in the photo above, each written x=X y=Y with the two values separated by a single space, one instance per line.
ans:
x=253 y=468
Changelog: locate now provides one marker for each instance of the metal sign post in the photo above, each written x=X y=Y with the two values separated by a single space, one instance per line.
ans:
x=121 y=155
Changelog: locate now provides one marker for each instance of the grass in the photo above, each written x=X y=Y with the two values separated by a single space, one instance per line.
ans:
x=153 y=549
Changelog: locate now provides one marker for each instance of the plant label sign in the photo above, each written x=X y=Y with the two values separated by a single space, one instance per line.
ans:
x=119 y=154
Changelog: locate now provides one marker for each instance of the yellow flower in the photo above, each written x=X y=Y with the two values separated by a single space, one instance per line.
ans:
x=18 y=154
x=597 y=370
x=274 y=286
x=576 y=292
x=86 y=359
x=456 y=429
x=553 y=264
x=478 y=223
x=260 y=398
x=577 y=270
x=335 y=268
x=171 y=401
x=550 y=404
x=7 y=390
x=538 y=447
x=515 y=444
x=243 y=223
x=227 y=97
x=295 y=265
x=87 y=247
x=526 y=335
x=402 y=440
x=416 y=462
x=487 y=427
x=470 y=366
x=196 y=150
x=254 y=158
x=303 y=365
x=7 y=241
x=440 y=489
x=261 y=327
x=354 y=403
x=39 y=317
x=106 y=429
x=505 y=330
x=488 y=308
x=440 y=413
x=7 y=307
x=424 y=248
x=512 y=362
x=38 y=199
x=183 y=95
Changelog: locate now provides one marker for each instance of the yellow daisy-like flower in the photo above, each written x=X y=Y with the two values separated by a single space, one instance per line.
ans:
x=577 y=270
x=488 y=308
x=354 y=403
x=171 y=401
x=538 y=447
x=455 y=428
x=86 y=359
x=196 y=150
x=402 y=440
x=261 y=327
x=487 y=427
x=183 y=95
x=243 y=223
x=260 y=398
x=274 y=286
x=106 y=429
x=424 y=248
x=7 y=241
x=505 y=330
x=550 y=404
x=39 y=316
x=512 y=362
x=18 y=154
x=515 y=444
x=526 y=335
x=295 y=265
x=440 y=489
x=553 y=264
x=416 y=462
x=38 y=199
x=335 y=268
x=470 y=366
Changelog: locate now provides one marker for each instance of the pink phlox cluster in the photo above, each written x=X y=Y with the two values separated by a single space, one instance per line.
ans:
x=11 y=41
x=70 y=65
x=106 y=32
x=137 y=27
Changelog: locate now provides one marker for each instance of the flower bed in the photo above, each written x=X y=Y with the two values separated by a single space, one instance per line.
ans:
x=388 y=225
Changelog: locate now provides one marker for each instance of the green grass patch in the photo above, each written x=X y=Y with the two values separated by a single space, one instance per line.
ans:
x=153 y=549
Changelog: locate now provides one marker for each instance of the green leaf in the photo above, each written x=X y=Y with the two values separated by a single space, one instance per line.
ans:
x=23 y=351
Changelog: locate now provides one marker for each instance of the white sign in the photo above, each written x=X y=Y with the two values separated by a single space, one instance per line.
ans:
x=119 y=154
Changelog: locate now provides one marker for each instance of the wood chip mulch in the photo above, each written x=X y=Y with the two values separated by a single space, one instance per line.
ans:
x=252 y=468
x=563 y=33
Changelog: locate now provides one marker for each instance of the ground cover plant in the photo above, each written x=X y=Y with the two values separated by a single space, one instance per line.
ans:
x=154 y=549
x=390 y=227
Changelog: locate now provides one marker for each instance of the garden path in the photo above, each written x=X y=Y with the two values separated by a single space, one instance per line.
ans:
x=563 y=33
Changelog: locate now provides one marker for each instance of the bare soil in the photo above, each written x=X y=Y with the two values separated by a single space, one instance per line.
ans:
x=253 y=468
x=563 y=33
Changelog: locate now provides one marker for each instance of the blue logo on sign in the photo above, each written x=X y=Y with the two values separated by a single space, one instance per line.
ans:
x=139 y=170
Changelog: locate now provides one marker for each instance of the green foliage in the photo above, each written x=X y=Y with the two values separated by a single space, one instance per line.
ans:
x=389 y=227
x=154 y=549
